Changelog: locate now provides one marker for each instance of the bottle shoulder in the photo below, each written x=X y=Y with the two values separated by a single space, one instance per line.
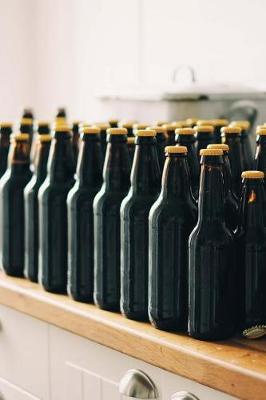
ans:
x=214 y=234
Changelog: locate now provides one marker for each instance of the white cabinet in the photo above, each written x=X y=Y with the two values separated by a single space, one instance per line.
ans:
x=23 y=356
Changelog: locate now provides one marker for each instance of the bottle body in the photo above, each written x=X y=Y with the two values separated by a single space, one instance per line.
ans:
x=260 y=155
x=171 y=220
x=80 y=219
x=106 y=210
x=5 y=132
x=247 y=152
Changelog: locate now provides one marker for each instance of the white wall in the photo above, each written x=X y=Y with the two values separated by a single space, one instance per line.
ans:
x=60 y=52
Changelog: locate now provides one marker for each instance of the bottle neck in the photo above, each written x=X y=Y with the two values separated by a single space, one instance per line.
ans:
x=5 y=137
x=211 y=193
x=145 y=175
x=116 y=170
x=252 y=204
x=175 y=179
x=185 y=140
x=90 y=162
x=42 y=153
x=227 y=174
x=19 y=157
x=61 y=167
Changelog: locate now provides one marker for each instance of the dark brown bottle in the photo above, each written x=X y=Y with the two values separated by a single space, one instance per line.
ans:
x=170 y=134
x=43 y=128
x=161 y=143
x=129 y=125
x=186 y=137
x=204 y=137
x=61 y=113
x=80 y=216
x=139 y=126
x=232 y=139
x=103 y=135
x=42 y=149
x=218 y=124
x=247 y=153
x=53 y=212
x=131 y=148
x=231 y=203
x=171 y=220
x=251 y=245
x=5 y=133
x=75 y=139
x=28 y=113
x=113 y=123
x=212 y=283
x=106 y=208
x=134 y=212
x=260 y=155
x=26 y=126
x=12 y=185
x=192 y=122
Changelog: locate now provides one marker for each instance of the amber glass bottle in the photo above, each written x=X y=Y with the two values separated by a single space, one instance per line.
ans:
x=43 y=128
x=80 y=216
x=53 y=211
x=251 y=245
x=28 y=113
x=260 y=156
x=212 y=283
x=218 y=124
x=5 y=133
x=61 y=113
x=145 y=187
x=204 y=137
x=106 y=208
x=12 y=185
x=26 y=126
x=246 y=149
x=42 y=149
x=186 y=137
x=161 y=143
x=75 y=139
x=103 y=135
x=231 y=203
x=232 y=139
x=171 y=220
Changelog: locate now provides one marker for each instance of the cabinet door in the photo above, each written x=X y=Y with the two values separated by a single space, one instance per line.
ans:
x=24 y=352
x=8 y=391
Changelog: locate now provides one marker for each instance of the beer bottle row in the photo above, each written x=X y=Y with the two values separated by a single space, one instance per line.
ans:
x=164 y=223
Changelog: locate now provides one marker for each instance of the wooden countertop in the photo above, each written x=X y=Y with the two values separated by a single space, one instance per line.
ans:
x=236 y=367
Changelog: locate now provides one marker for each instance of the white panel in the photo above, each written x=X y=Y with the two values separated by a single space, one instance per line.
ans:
x=91 y=386
x=24 y=351
x=73 y=383
x=109 y=390
x=8 y=391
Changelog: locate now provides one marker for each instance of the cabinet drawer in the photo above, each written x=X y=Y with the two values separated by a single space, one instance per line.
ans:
x=9 y=391
x=24 y=353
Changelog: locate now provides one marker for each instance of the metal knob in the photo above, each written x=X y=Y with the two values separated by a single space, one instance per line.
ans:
x=183 y=396
x=137 y=385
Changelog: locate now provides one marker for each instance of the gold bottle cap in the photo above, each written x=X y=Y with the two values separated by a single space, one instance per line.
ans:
x=204 y=128
x=146 y=132
x=90 y=129
x=211 y=152
x=242 y=124
x=5 y=124
x=157 y=129
x=127 y=124
x=252 y=175
x=130 y=140
x=255 y=332
x=140 y=126
x=261 y=131
x=20 y=137
x=221 y=146
x=176 y=149
x=117 y=131
x=26 y=121
x=160 y=122
x=220 y=122
x=191 y=121
x=103 y=125
x=205 y=122
x=58 y=120
x=231 y=129
x=44 y=138
x=185 y=131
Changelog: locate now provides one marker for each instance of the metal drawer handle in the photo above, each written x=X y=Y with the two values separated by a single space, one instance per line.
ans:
x=137 y=385
x=183 y=396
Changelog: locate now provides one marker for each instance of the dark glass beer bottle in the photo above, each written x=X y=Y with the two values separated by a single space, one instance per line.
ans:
x=211 y=280
x=26 y=126
x=139 y=126
x=251 y=245
x=113 y=123
x=170 y=133
x=129 y=126
x=106 y=208
x=43 y=128
x=247 y=153
x=42 y=149
x=231 y=137
x=161 y=143
x=53 y=212
x=260 y=155
x=186 y=137
x=80 y=216
x=131 y=147
x=134 y=212
x=28 y=113
x=218 y=124
x=103 y=135
x=5 y=134
x=171 y=220
x=61 y=113
x=12 y=185
x=231 y=203
x=75 y=139
x=192 y=122
x=204 y=137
